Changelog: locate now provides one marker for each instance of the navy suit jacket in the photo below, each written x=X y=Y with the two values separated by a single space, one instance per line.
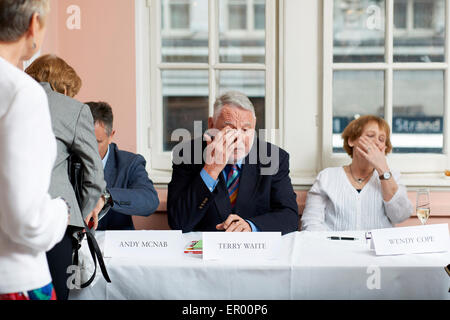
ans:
x=130 y=187
x=267 y=200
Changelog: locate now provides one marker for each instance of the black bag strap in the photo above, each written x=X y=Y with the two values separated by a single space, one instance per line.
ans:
x=96 y=255
x=76 y=179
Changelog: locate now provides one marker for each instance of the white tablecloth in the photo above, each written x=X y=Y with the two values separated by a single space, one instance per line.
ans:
x=310 y=267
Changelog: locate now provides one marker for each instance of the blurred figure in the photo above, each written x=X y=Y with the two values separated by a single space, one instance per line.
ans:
x=30 y=222
x=125 y=175
x=73 y=126
x=363 y=195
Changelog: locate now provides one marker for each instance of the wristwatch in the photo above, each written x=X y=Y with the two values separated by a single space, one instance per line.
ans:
x=109 y=202
x=108 y=198
x=386 y=176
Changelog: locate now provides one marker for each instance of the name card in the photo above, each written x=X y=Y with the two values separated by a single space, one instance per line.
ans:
x=406 y=240
x=143 y=244
x=241 y=246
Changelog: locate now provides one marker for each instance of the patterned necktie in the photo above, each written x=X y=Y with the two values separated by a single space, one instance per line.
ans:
x=233 y=184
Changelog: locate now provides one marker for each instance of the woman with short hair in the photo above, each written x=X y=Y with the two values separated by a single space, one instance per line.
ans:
x=31 y=223
x=363 y=195
x=53 y=70
x=73 y=126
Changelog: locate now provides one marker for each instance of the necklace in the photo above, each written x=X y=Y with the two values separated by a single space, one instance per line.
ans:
x=360 y=180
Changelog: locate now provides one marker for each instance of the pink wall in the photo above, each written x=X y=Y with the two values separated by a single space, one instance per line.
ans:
x=102 y=52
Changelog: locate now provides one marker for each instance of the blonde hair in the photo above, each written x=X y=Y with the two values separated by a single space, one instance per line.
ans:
x=355 y=129
x=54 y=70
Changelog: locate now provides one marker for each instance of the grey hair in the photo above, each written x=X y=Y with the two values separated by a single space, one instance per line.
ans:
x=234 y=99
x=15 y=17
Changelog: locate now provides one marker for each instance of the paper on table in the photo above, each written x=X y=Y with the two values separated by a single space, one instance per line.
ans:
x=154 y=244
x=406 y=240
x=194 y=247
x=241 y=245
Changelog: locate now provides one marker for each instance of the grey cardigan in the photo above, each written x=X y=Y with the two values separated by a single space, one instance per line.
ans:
x=73 y=127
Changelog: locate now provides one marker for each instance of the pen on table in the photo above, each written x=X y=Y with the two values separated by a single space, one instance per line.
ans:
x=342 y=238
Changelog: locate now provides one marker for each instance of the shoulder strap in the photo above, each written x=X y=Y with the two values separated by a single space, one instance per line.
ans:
x=76 y=179
x=96 y=255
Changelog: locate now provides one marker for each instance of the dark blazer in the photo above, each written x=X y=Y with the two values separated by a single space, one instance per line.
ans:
x=130 y=187
x=268 y=201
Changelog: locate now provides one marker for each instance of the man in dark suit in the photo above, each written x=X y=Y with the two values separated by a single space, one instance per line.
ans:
x=127 y=180
x=241 y=185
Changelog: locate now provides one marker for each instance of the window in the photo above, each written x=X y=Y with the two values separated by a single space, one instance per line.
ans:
x=416 y=14
x=388 y=58
x=237 y=15
x=247 y=15
x=242 y=24
x=259 y=8
x=179 y=14
x=309 y=67
x=200 y=49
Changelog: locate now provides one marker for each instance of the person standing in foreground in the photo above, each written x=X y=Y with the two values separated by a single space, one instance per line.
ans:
x=74 y=130
x=31 y=223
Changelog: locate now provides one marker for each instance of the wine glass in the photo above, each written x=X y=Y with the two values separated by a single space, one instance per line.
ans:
x=423 y=205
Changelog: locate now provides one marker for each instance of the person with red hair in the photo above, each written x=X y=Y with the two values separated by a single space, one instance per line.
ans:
x=363 y=195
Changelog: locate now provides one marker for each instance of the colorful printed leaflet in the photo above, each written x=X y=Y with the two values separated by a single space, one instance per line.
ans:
x=194 y=247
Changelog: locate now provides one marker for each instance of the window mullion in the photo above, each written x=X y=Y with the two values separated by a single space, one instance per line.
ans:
x=410 y=16
x=360 y=66
x=237 y=66
x=250 y=16
x=447 y=85
x=389 y=32
x=328 y=70
x=389 y=74
x=270 y=67
x=167 y=20
x=157 y=101
x=388 y=88
x=183 y=66
x=213 y=51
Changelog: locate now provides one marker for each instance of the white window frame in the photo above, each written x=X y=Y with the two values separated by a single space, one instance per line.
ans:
x=149 y=86
x=418 y=169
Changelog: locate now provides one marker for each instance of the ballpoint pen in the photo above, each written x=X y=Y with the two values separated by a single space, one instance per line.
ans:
x=342 y=238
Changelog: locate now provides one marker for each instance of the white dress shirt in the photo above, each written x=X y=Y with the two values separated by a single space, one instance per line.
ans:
x=105 y=159
x=334 y=204
x=31 y=222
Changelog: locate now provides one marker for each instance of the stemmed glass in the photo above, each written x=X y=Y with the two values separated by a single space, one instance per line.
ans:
x=423 y=205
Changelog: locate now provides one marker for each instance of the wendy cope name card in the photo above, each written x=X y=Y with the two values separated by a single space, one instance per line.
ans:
x=407 y=240
x=241 y=246
x=144 y=244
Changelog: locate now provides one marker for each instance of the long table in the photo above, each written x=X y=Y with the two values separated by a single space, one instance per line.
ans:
x=309 y=267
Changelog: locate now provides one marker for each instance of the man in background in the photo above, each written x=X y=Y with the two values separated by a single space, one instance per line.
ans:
x=127 y=179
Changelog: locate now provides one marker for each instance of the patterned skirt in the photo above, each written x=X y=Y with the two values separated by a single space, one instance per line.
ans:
x=44 y=293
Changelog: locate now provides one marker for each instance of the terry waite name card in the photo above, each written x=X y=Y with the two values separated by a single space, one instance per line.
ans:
x=241 y=246
x=420 y=239
x=143 y=244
